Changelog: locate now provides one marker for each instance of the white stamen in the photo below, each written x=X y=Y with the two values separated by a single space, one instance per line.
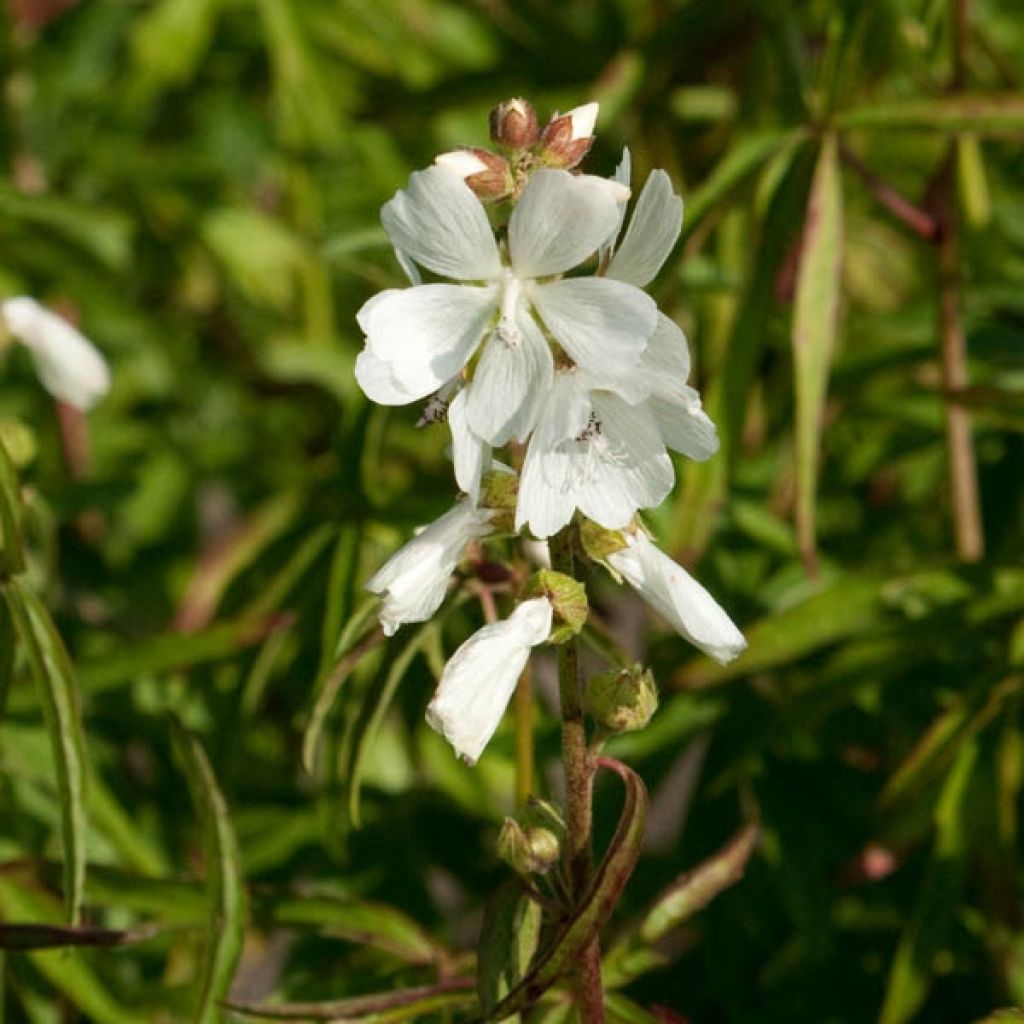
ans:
x=507 y=332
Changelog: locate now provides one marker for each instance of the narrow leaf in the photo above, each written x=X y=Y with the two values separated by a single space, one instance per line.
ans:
x=404 y=1004
x=973 y=182
x=508 y=941
x=12 y=556
x=597 y=904
x=224 y=889
x=983 y=115
x=815 y=324
x=51 y=667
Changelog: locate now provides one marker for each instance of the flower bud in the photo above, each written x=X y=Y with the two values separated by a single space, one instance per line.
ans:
x=532 y=842
x=514 y=124
x=568 y=598
x=529 y=851
x=567 y=138
x=486 y=173
x=622 y=700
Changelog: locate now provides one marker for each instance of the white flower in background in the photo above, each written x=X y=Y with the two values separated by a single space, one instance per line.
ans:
x=413 y=581
x=480 y=677
x=672 y=592
x=593 y=451
x=419 y=338
x=68 y=364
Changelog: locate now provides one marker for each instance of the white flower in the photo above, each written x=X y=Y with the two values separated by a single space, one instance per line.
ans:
x=678 y=598
x=68 y=364
x=594 y=451
x=480 y=677
x=413 y=581
x=419 y=338
x=663 y=372
x=653 y=229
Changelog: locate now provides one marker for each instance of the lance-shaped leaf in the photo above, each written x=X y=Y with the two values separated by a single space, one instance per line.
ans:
x=49 y=663
x=404 y=1004
x=12 y=557
x=815 y=322
x=50 y=936
x=225 y=893
x=597 y=904
x=983 y=115
x=688 y=894
x=508 y=941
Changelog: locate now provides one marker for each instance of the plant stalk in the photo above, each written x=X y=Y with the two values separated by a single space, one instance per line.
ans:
x=579 y=787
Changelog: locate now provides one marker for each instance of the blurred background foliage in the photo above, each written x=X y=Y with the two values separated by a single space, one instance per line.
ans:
x=197 y=183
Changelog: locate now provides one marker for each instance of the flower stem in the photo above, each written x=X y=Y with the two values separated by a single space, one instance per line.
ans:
x=579 y=780
x=524 y=737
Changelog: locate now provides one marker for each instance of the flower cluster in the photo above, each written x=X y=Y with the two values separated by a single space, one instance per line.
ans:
x=503 y=332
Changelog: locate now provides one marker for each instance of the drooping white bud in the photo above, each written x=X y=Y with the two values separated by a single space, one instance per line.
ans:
x=413 y=582
x=675 y=595
x=480 y=677
x=68 y=364
x=583 y=119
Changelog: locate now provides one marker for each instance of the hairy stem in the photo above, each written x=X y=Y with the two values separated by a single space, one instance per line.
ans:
x=579 y=783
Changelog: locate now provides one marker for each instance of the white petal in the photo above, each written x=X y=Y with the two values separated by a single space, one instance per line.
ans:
x=620 y=177
x=462 y=162
x=510 y=384
x=378 y=382
x=559 y=221
x=631 y=469
x=603 y=325
x=438 y=222
x=546 y=499
x=411 y=271
x=678 y=598
x=413 y=581
x=583 y=120
x=471 y=455
x=426 y=334
x=481 y=676
x=653 y=230
x=69 y=366
x=666 y=359
x=685 y=428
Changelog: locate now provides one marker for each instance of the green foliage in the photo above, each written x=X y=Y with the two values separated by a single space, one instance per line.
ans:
x=197 y=183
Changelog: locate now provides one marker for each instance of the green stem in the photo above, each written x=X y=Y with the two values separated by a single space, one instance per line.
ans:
x=579 y=784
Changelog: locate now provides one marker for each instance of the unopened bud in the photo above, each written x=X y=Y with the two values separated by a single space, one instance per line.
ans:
x=622 y=700
x=568 y=598
x=486 y=173
x=532 y=842
x=567 y=138
x=529 y=851
x=514 y=124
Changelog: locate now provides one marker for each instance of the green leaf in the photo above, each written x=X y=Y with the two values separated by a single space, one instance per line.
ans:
x=815 y=326
x=983 y=115
x=597 y=903
x=508 y=941
x=635 y=954
x=741 y=161
x=170 y=39
x=363 y=921
x=12 y=555
x=67 y=970
x=51 y=667
x=226 y=903
x=403 y=1004
x=938 y=898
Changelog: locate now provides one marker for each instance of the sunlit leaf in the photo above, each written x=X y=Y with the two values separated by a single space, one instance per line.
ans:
x=508 y=941
x=815 y=325
x=51 y=667
x=225 y=895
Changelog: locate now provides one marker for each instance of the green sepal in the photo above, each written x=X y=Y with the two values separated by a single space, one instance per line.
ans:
x=622 y=700
x=568 y=598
